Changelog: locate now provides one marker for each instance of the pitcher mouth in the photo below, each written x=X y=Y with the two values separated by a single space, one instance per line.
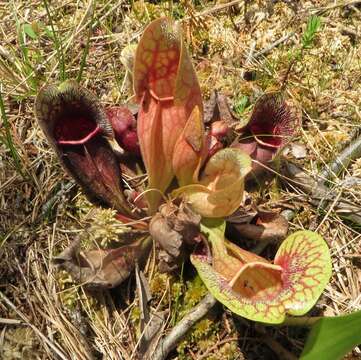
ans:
x=273 y=121
x=266 y=134
x=75 y=128
x=202 y=252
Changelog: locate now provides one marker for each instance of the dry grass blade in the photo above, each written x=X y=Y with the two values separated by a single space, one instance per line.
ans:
x=43 y=338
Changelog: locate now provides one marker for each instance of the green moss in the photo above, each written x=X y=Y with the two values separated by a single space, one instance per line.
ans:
x=195 y=291
x=158 y=284
x=228 y=351
x=201 y=336
x=71 y=296
x=135 y=319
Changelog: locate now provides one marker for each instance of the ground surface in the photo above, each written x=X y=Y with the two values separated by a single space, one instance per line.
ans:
x=41 y=211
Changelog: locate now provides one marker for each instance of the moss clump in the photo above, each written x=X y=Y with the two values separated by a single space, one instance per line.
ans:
x=203 y=333
x=158 y=284
x=227 y=351
x=194 y=292
x=72 y=296
x=201 y=336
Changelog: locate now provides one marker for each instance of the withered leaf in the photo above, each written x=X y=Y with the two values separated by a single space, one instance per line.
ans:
x=166 y=237
x=269 y=226
x=298 y=151
x=174 y=227
x=217 y=108
x=210 y=107
x=150 y=323
x=102 y=269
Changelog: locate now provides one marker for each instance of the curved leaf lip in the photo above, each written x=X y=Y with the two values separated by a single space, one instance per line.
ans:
x=160 y=99
x=265 y=292
x=75 y=131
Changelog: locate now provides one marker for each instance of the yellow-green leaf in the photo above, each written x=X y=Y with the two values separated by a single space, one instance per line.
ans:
x=266 y=292
x=220 y=189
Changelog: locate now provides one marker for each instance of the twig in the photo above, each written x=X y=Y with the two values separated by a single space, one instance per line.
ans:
x=278 y=349
x=320 y=195
x=275 y=346
x=267 y=49
x=341 y=27
x=10 y=321
x=171 y=340
x=337 y=5
x=343 y=160
x=250 y=54
x=216 y=8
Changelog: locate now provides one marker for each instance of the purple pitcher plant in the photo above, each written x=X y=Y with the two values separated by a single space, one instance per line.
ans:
x=196 y=182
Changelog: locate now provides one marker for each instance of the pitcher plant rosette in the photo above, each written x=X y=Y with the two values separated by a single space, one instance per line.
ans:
x=194 y=188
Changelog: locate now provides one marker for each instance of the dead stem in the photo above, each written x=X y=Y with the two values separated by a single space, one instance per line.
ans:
x=342 y=161
x=167 y=344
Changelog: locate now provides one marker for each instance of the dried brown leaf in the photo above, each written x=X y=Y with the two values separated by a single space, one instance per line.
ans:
x=268 y=226
x=102 y=269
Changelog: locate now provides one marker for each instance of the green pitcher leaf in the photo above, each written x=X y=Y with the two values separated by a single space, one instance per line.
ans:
x=334 y=336
x=252 y=287
x=305 y=258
